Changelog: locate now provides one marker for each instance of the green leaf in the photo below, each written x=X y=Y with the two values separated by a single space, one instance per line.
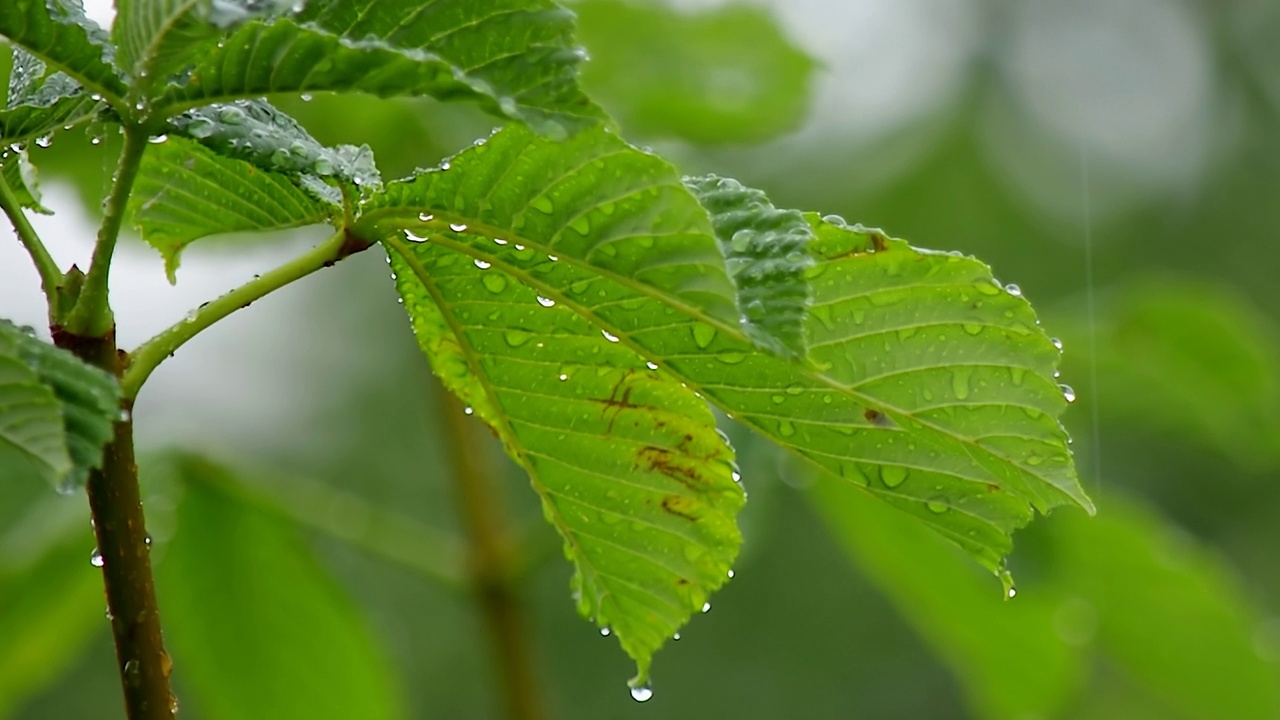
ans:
x=766 y=253
x=630 y=467
x=1010 y=661
x=50 y=602
x=256 y=626
x=925 y=383
x=185 y=191
x=1169 y=611
x=64 y=440
x=719 y=75
x=1192 y=360
x=31 y=422
x=58 y=33
x=516 y=58
x=158 y=38
x=40 y=102
x=20 y=176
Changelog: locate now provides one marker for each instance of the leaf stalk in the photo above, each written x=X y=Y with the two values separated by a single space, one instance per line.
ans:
x=50 y=275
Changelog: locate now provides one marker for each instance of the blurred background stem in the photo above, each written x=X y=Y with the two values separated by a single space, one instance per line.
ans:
x=492 y=560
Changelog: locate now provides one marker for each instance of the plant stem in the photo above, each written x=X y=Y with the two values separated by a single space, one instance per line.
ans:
x=493 y=573
x=150 y=354
x=91 y=316
x=50 y=275
x=124 y=547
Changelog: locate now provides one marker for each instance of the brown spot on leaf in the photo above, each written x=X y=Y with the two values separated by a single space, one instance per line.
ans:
x=680 y=507
x=681 y=468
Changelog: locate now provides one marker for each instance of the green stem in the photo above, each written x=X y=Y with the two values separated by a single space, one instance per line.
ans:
x=91 y=316
x=150 y=354
x=493 y=565
x=50 y=275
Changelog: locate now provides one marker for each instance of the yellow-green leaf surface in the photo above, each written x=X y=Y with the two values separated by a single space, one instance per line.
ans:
x=925 y=383
x=629 y=464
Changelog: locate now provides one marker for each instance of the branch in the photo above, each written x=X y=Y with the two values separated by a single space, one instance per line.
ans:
x=125 y=551
x=493 y=567
x=50 y=275
x=91 y=316
x=150 y=354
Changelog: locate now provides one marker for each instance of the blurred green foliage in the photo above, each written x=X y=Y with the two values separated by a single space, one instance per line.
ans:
x=1164 y=606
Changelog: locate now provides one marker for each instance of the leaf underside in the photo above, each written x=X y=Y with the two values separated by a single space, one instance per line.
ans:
x=58 y=33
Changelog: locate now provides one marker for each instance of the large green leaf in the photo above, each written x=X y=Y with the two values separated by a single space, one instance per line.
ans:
x=1010 y=661
x=1127 y=587
x=58 y=33
x=158 y=38
x=185 y=191
x=50 y=599
x=925 y=383
x=516 y=57
x=1191 y=360
x=39 y=102
x=720 y=75
x=629 y=465
x=256 y=626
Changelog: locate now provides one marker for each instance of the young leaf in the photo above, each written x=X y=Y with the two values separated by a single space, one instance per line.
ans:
x=88 y=399
x=725 y=74
x=39 y=103
x=58 y=33
x=630 y=466
x=20 y=176
x=925 y=383
x=515 y=58
x=32 y=431
x=185 y=191
x=283 y=640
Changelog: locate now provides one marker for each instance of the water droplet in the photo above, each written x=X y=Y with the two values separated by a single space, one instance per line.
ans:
x=546 y=302
x=1011 y=592
x=642 y=693
x=737 y=476
x=960 y=383
x=494 y=282
x=676 y=636
x=706 y=607
x=445 y=165
x=972 y=328
x=469 y=410
x=412 y=238
x=516 y=338
x=499 y=241
x=703 y=334
x=542 y=204
x=158 y=139
x=937 y=506
x=44 y=141
x=893 y=475
x=730 y=574
x=306 y=97
x=458 y=227
x=1068 y=392
x=125 y=416
x=482 y=264
x=1056 y=343
x=1013 y=290
x=651 y=366
x=322 y=166
x=604 y=631
x=834 y=220
x=231 y=115
x=607 y=336
x=563 y=377
x=786 y=429
x=426 y=217
x=95 y=558
x=553 y=258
